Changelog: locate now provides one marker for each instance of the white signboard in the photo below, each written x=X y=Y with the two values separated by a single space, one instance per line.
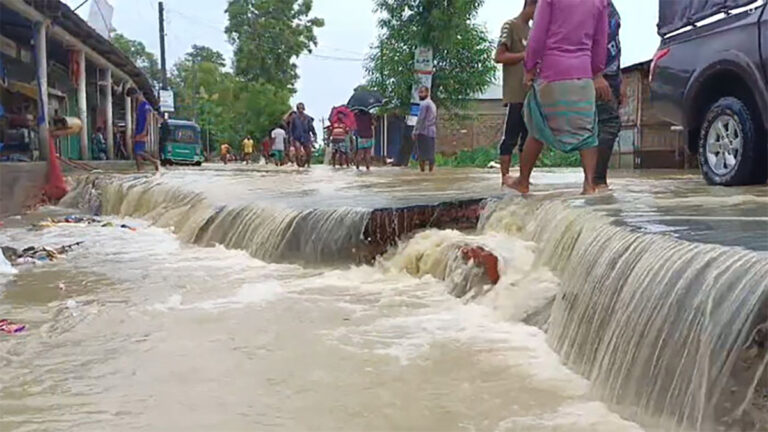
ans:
x=424 y=60
x=100 y=17
x=166 y=101
x=424 y=67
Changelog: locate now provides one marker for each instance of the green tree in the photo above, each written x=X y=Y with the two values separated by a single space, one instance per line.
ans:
x=225 y=106
x=463 y=51
x=138 y=53
x=268 y=36
x=202 y=53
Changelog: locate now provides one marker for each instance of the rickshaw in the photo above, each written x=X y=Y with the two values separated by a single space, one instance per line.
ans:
x=180 y=143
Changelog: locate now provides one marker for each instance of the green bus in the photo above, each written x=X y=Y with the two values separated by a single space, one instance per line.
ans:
x=182 y=144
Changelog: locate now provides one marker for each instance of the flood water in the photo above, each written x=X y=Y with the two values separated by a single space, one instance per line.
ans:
x=194 y=321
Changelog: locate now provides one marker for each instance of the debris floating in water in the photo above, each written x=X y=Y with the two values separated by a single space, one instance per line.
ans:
x=35 y=254
x=80 y=220
x=10 y=328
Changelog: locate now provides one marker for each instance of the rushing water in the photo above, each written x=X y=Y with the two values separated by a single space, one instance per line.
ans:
x=237 y=304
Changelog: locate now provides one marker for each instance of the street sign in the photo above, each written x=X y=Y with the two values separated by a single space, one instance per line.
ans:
x=166 y=101
x=424 y=60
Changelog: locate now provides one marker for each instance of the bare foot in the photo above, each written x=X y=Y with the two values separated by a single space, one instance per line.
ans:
x=589 y=189
x=517 y=184
x=602 y=187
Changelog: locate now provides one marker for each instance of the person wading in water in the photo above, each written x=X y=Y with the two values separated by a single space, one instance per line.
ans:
x=143 y=113
x=303 y=135
x=511 y=54
x=566 y=52
x=425 y=131
x=610 y=96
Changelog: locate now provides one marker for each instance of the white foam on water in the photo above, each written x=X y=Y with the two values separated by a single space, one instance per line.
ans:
x=579 y=416
x=247 y=295
x=6 y=267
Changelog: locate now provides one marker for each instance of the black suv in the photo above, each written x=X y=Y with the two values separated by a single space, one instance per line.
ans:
x=709 y=76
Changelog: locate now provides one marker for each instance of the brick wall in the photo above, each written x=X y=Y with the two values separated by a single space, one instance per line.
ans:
x=480 y=125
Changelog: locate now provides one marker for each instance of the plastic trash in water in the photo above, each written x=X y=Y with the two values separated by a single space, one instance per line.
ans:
x=9 y=327
x=73 y=306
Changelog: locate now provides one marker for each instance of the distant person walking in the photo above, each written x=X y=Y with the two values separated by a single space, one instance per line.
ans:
x=279 y=138
x=247 y=149
x=510 y=53
x=610 y=98
x=143 y=112
x=266 y=148
x=224 y=152
x=303 y=135
x=566 y=52
x=364 y=121
x=425 y=131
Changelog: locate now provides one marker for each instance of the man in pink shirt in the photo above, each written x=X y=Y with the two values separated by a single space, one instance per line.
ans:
x=566 y=50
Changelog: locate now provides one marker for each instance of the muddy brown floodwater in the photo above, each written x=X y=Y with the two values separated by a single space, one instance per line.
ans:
x=234 y=306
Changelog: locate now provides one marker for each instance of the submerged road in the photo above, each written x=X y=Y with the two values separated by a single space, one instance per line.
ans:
x=629 y=311
x=679 y=204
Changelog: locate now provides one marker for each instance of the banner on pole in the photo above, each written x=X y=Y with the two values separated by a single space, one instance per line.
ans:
x=166 y=101
x=424 y=67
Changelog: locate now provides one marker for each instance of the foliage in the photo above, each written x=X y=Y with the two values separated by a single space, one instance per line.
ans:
x=137 y=52
x=268 y=36
x=463 y=52
x=481 y=157
x=551 y=158
x=478 y=158
x=227 y=107
x=204 y=54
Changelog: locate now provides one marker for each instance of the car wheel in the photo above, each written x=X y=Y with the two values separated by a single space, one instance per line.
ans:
x=730 y=152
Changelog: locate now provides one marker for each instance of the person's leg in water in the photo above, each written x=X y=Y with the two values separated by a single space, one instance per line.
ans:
x=308 y=154
x=367 y=158
x=589 y=163
x=531 y=151
x=514 y=132
x=609 y=126
x=143 y=157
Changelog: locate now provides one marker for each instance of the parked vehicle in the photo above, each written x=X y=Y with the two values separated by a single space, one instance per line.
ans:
x=709 y=76
x=181 y=144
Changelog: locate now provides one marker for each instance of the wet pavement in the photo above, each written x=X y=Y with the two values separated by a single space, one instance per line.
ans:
x=676 y=203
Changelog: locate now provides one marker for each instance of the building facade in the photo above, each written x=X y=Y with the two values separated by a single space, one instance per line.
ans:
x=57 y=72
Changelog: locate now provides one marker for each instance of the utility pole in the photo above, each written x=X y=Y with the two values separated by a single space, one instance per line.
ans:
x=161 y=15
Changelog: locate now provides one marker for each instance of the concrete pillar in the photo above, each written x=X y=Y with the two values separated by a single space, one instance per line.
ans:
x=129 y=126
x=41 y=50
x=109 y=130
x=82 y=105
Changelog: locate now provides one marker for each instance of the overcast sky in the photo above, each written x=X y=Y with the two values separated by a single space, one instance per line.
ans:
x=336 y=67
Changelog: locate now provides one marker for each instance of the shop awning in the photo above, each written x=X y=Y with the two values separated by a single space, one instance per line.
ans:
x=28 y=90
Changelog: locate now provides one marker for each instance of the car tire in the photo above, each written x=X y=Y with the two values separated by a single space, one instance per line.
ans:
x=731 y=152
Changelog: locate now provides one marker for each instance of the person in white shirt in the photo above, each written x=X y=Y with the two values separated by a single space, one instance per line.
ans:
x=278 y=145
